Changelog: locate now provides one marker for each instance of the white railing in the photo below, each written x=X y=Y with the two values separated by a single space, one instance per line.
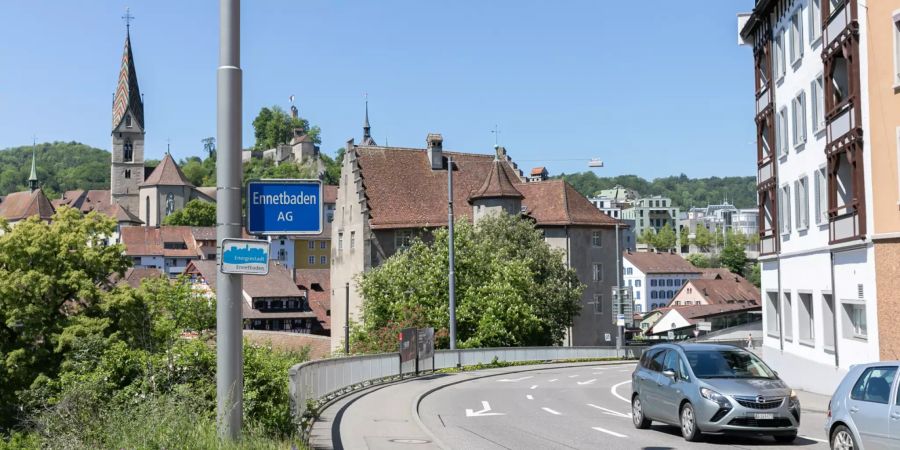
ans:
x=766 y=172
x=836 y=24
x=325 y=379
x=763 y=100
x=842 y=123
x=844 y=226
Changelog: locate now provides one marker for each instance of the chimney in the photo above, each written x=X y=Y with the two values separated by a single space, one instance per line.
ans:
x=435 y=150
x=295 y=113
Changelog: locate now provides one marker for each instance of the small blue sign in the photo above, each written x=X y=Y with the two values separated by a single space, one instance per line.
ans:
x=245 y=256
x=284 y=207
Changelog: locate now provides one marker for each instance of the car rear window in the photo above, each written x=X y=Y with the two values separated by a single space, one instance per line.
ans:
x=874 y=385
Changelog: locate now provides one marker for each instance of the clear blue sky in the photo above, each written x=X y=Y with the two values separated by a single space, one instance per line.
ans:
x=653 y=88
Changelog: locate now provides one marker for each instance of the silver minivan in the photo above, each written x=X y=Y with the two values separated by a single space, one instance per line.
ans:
x=864 y=412
x=711 y=388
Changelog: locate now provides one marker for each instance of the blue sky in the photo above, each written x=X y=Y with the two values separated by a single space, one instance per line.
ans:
x=653 y=88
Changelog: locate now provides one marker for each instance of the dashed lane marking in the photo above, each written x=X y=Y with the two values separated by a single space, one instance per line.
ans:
x=582 y=383
x=555 y=413
x=573 y=376
x=611 y=433
x=614 y=392
x=529 y=397
x=534 y=386
x=555 y=379
x=610 y=412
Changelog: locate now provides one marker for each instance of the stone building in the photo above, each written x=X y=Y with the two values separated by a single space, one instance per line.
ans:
x=387 y=195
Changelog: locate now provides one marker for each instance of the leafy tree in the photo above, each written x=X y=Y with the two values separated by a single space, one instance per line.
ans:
x=665 y=239
x=734 y=257
x=753 y=274
x=273 y=126
x=512 y=289
x=647 y=237
x=333 y=167
x=699 y=260
x=61 y=166
x=196 y=213
x=684 y=237
x=703 y=239
x=684 y=192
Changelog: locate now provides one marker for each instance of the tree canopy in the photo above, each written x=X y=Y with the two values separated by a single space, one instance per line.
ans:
x=512 y=289
x=273 y=126
x=61 y=166
x=685 y=192
x=196 y=213
x=665 y=240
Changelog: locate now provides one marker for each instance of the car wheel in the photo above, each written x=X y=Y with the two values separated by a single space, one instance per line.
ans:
x=842 y=439
x=637 y=414
x=689 y=423
x=786 y=438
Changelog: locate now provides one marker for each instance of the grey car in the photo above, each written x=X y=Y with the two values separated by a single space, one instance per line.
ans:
x=715 y=389
x=864 y=412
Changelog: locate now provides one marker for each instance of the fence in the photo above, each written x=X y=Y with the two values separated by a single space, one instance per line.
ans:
x=326 y=379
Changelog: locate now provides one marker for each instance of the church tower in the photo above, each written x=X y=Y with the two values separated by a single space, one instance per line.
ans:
x=127 y=134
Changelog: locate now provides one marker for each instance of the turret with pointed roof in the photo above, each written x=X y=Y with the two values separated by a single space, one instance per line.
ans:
x=367 y=130
x=33 y=179
x=496 y=194
x=128 y=94
x=127 y=169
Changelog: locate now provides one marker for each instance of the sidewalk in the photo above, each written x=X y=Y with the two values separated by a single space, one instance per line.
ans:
x=810 y=402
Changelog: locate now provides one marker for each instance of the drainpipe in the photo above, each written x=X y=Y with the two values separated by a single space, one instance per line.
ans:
x=834 y=311
x=568 y=266
x=780 y=315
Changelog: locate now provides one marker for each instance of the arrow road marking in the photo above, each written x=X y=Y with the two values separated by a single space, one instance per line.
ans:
x=555 y=413
x=484 y=412
x=614 y=392
x=529 y=397
x=609 y=411
x=534 y=386
x=611 y=433
x=512 y=380
x=587 y=382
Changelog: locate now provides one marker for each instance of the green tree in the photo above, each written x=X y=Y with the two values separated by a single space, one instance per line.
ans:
x=512 y=289
x=684 y=237
x=273 y=126
x=61 y=166
x=684 y=192
x=734 y=257
x=333 y=167
x=665 y=239
x=699 y=260
x=647 y=237
x=703 y=239
x=196 y=213
x=752 y=274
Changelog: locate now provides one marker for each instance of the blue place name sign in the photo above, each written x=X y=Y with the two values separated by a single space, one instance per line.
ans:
x=284 y=207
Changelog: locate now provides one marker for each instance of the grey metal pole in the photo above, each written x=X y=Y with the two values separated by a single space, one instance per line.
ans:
x=619 y=288
x=229 y=359
x=451 y=272
x=347 y=318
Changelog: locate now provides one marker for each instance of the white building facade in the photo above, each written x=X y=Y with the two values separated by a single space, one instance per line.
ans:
x=655 y=278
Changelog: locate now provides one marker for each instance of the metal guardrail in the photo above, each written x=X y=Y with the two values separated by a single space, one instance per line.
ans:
x=325 y=379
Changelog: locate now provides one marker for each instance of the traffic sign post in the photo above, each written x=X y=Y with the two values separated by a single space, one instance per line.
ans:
x=245 y=256
x=284 y=207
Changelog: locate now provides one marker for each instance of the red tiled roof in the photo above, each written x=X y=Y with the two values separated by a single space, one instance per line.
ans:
x=695 y=312
x=538 y=171
x=98 y=200
x=149 y=241
x=134 y=275
x=403 y=191
x=496 y=185
x=714 y=273
x=329 y=191
x=725 y=291
x=21 y=205
x=167 y=173
x=319 y=300
x=652 y=262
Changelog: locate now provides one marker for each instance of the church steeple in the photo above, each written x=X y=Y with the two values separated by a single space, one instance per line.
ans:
x=33 y=179
x=128 y=94
x=367 y=130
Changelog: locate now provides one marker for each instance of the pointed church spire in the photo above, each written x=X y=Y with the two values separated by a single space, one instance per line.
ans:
x=33 y=179
x=367 y=129
x=128 y=95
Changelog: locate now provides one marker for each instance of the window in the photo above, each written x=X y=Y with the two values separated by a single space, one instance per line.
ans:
x=595 y=239
x=311 y=260
x=781 y=132
x=779 y=56
x=402 y=239
x=653 y=282
x=637 y=283
x=340 y=242
x=598 y=304
x=127 y=151
x=128 y=120
x=598 y=272
x=323 y=244
x=815 y=21
x=796 y=37
x=352 y=240
x=311 y=244
x=127 y=174
x=855 y=320
x=817 y=92
x=821 y=197
x=801 y=190
x=629 y=271
x=637 y=296
x=874 y=385
x=323 y=260
x=772 y=324
x=798 y=118
x=656 y=361
x=828 y=321
x=673 y=362
x=806 y=318
x=282 y=254
x=784 y=210
x=788 y=324
x=654 y=295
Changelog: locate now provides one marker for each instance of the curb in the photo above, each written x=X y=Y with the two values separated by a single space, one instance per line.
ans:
x=418 y=400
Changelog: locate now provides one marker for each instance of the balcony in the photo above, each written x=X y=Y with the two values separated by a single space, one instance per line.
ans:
x=765 y=172
x=841 y=121
x=844 y=226
x=768 y=242
x=840 y=18
x=763 y=100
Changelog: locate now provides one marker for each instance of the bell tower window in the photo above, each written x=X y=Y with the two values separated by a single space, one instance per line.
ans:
x=127 y=150
x=128 y=120
x=127 y=173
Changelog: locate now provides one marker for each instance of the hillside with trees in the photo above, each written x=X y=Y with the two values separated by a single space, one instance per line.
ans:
x=685 y=192
x=61 y=166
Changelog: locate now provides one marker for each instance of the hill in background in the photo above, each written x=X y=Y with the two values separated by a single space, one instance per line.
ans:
x=685 y=192
x=61 y=166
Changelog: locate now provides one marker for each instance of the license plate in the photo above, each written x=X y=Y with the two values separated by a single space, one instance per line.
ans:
x=763 y=416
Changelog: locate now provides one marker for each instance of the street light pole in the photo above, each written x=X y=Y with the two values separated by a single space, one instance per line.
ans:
x=347 y=319
x=229 y=358
x=451 y=271
x=619 y=289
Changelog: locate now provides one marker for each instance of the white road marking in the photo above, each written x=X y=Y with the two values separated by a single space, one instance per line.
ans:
x=609 y=411
x=626 y=370
x=611 y=433
x=556 y=413
x=555 y=379
x=814 y=439
x=513 y=380
x=529 y=397
x=534 y=386
x=484 y=412
x=573 y=376
x=582 y=383
x=613 y=391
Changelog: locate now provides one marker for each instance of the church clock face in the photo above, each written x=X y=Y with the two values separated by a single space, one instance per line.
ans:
x=170 y=203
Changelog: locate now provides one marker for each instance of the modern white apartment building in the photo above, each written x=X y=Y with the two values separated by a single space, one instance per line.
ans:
x=655 y=277
x=827 y=241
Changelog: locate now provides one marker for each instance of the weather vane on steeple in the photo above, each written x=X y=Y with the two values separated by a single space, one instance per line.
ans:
x=128 y=17
x=496 y=132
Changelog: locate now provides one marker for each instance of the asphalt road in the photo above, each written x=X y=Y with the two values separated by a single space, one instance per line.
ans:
x=583 y=407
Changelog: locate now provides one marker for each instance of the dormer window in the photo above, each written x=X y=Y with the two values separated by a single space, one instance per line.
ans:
x=127 y=150
x=128 y=120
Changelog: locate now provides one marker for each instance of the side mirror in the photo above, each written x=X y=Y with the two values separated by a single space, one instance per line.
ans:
x=669 y=373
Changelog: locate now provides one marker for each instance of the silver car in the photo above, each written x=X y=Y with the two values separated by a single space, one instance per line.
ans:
x=864 y=412
x=715 y=389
